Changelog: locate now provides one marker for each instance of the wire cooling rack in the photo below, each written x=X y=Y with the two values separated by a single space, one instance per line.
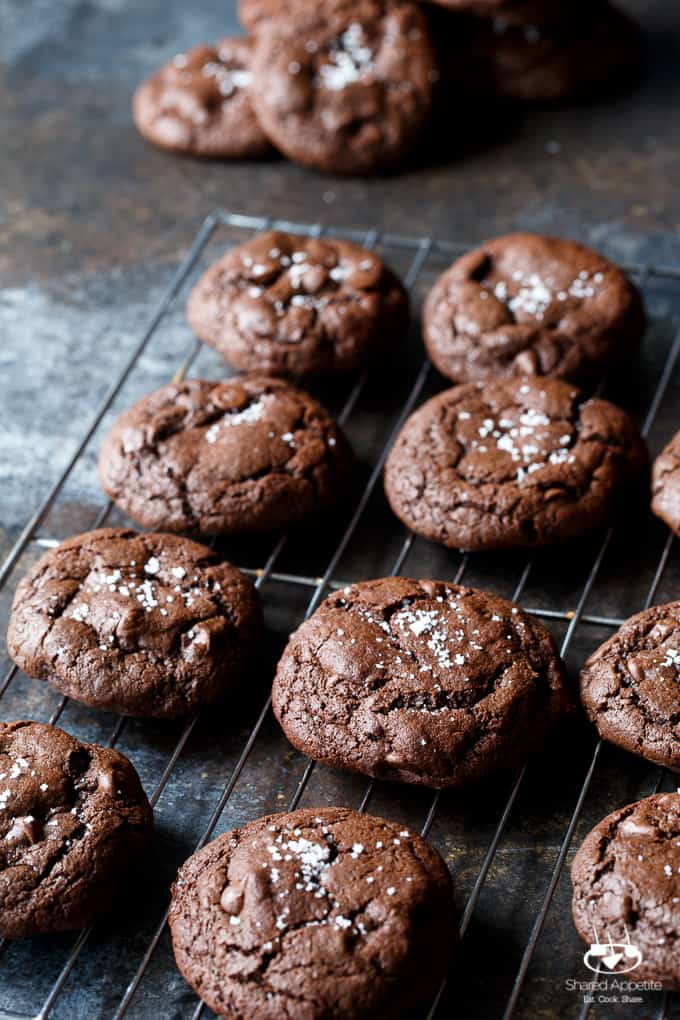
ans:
x=508 y=841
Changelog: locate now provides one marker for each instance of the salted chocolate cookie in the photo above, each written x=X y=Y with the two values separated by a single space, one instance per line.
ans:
x=514 y=463
x=630 y=686
x=596 y=50
x=345 y=87
x=527 y=13
x=200 y=103
x=626 y=878
x=299 y=306
x=531 y=305
x=251 y=454
x=666 y=485
x=317 y=914
x=420 y=681
x=74 y=823
x=142 y=624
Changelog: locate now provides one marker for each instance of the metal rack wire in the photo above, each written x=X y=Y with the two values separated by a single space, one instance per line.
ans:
x=419 y=252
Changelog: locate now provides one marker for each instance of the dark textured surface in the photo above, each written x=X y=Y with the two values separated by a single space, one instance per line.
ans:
x=94 y=222
x=314 y=915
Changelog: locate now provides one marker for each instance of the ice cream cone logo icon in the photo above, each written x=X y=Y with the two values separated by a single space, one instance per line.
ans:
x=612 y=957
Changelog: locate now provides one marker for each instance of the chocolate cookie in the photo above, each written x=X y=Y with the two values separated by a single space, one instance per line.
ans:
x=666 y=485
x=298 y=306
x=504 y=12
x=142 y=624
x=250 y=454
x=630 y=686
x=345 y=87
x=421 y=681
x=595 y=50
x=531 y=305
x=513 y=463
x=626 y=878
x=253 y=14
x=200 y=103
x=318 y=914
x=74 y=822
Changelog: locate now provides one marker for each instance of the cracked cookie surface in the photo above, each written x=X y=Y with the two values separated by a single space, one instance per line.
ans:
x=346 y=88
x=666 y=485
x=531 y=305
x=626 y=879
x=630 y=686
x=299 y=306
x=143 y=624
x=200 y=103
x=320 y=913
x=251 y=454
x=421 y=681
x=515 y=463
x=74 y=820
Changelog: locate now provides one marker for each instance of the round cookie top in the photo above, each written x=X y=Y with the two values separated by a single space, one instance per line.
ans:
x=630 y=686
x=200 y=103
x=345 y=87
x=513 y=463
x=74 y=821
x=666 y=484
x=316 y=913
x=571 y=55
x=298 y=306
x=253 y=14
x=421 y=681
x=527 y=13
x=626 y=878
x=249 y=454
x=142 y=624
x=531 y=305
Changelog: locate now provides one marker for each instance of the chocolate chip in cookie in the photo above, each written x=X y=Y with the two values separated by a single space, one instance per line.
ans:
x=74 y=824
x=626 y=878
x=514 y=463
x=666 y=485
x=318 y=913
x=345 y=86
x=531 y=305
x=630 y=686
x=251 y=454
x=420 y=681
x=201 y=103
x=299 y=306
x=143 y=624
